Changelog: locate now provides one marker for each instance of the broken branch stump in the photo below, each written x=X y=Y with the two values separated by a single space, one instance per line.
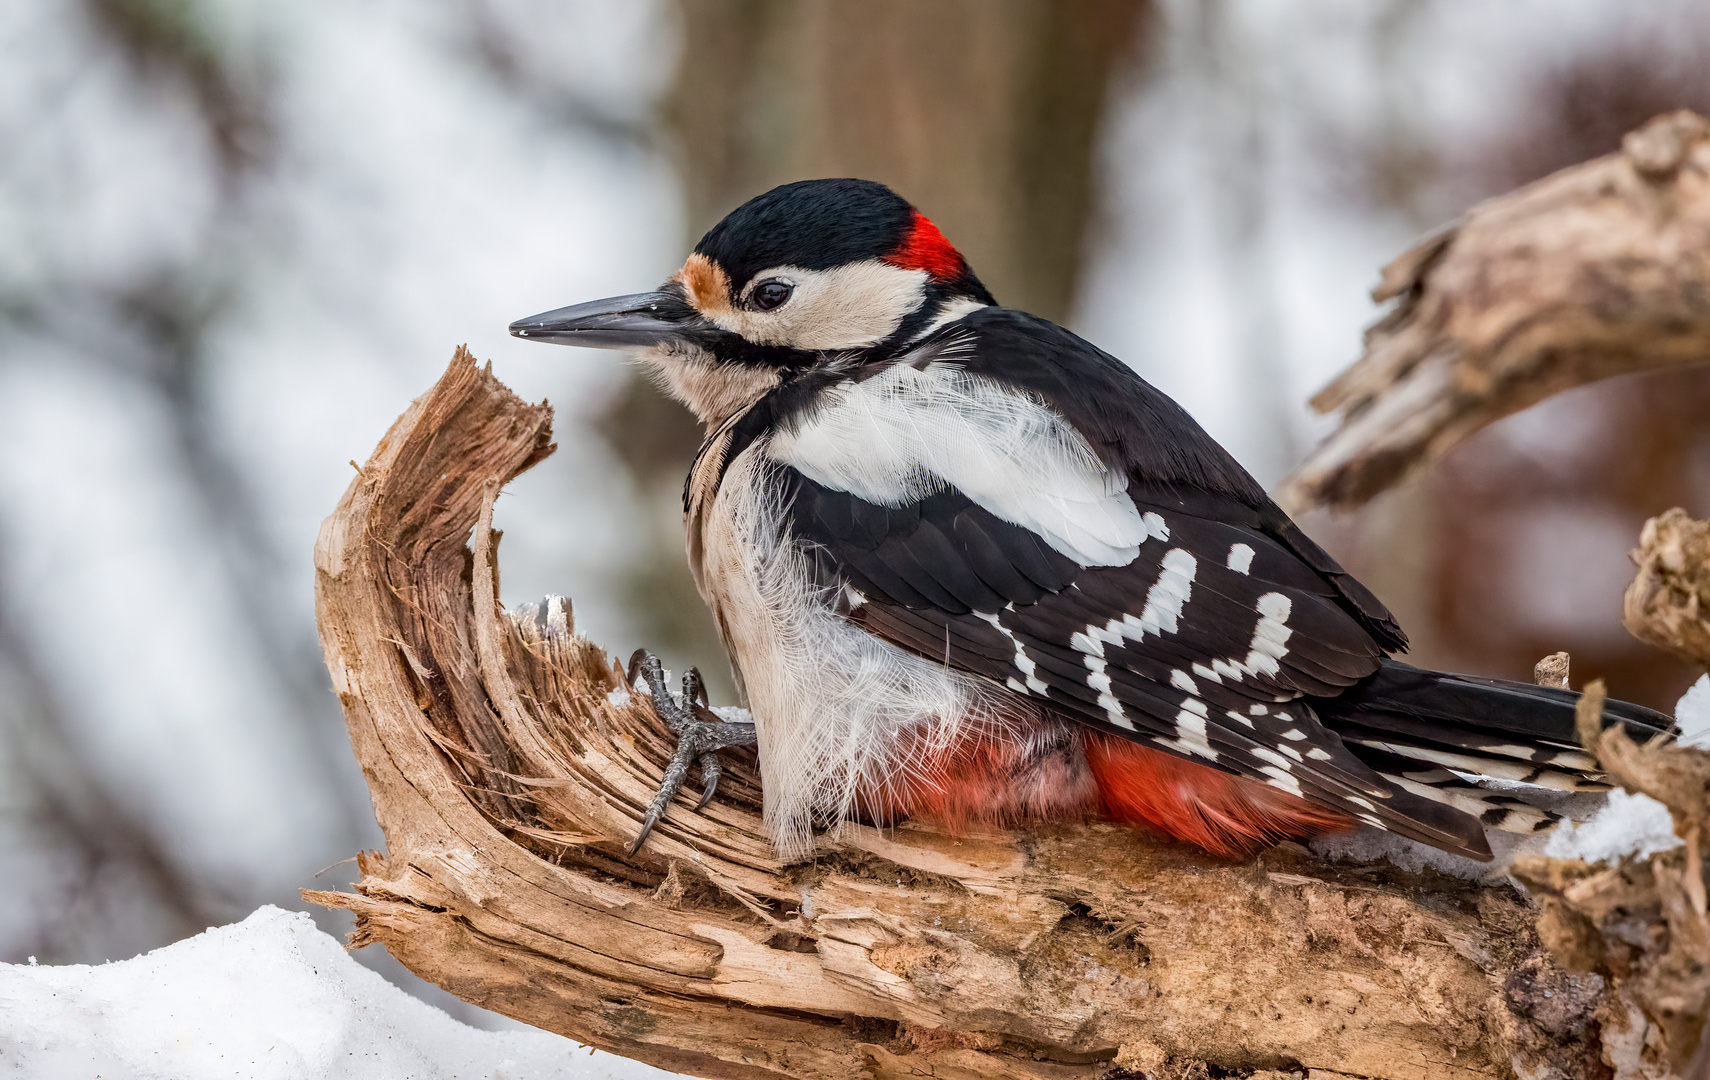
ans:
x=1601 y=269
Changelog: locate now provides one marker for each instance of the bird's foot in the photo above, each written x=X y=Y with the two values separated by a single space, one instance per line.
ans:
x=697 y=740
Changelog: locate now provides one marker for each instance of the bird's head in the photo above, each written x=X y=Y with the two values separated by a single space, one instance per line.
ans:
x=808 y=275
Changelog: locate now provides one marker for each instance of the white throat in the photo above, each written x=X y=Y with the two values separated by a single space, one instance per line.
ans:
x=714 y=392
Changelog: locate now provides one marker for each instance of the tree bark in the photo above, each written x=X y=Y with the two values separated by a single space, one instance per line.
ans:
x=1668 y=604
x=1600 y=270
x=509 y=766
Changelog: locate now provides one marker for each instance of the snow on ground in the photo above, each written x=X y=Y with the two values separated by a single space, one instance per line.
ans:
x=270 y=997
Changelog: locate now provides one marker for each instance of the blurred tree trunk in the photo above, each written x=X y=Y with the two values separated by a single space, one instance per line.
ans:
x=984 y=113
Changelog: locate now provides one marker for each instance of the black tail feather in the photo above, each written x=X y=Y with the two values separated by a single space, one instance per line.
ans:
x=1424 y=731
x=1488 y=706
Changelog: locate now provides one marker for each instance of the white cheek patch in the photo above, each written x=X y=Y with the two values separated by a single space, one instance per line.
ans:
x=907 y=433
x=846 y=307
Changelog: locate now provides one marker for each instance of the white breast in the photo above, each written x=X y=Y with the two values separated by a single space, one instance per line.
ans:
x=834 y=705
x=908 y=432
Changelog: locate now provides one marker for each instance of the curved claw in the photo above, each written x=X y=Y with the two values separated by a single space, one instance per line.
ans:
x=711 y=770
x=647 y=824
x=674 y=715
x=637 y=660
x=695 y=688
x=671 y=783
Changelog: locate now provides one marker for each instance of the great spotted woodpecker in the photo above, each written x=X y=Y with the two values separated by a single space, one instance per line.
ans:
x=968 y=566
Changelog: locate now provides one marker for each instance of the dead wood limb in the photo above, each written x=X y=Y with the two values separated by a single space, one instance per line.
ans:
x=1668 y=604
x=1598 y=270
x=1642 y=922
x=508 y=768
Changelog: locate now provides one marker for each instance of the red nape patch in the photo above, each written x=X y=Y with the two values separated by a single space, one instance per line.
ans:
x=924 y=248
x=1223 y=813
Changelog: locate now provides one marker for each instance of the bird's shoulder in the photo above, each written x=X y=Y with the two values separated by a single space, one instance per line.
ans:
x=1137 y=429
x=1134 y=427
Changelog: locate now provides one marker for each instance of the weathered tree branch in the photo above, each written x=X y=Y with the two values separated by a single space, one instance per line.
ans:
x=509 y=766
x=1642 y=923
x=1668 y=604
x=1599 y=270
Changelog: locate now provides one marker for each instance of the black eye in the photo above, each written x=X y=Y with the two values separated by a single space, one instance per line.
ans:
x=770 y=295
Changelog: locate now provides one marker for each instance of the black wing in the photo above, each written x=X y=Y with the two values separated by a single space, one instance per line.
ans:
x=1204 y=646
x=1143 y=433
x=1229 y=639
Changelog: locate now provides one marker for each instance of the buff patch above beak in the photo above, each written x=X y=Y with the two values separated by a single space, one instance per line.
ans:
x=707 y=286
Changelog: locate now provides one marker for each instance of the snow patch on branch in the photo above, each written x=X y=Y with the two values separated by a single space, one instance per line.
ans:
x=1693 y=714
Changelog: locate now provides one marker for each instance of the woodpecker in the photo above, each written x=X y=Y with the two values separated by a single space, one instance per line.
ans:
x=972 y=568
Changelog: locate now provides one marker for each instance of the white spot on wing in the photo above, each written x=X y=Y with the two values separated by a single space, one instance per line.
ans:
x=1099 y=679
x=1240 y=558
x=1265 y=753
x=1088 y=641
x=1164 y=603
x=1022 y=661
x=1269 y=644
x=1166 y=598
x=1191 y=732
x=1281 y=778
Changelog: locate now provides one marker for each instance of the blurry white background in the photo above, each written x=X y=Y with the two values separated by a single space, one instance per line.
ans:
x=236 y=238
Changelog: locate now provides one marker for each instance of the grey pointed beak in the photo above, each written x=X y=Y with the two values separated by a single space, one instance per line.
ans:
x=640 y=320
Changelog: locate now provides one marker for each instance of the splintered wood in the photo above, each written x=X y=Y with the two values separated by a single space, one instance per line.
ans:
x=510 y=766
x=1599 y=270
x=1668 y=604
x=1640 y=923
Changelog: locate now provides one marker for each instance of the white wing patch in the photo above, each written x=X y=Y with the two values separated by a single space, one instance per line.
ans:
x=1190 y=732
x=1164 y=603
x=1269 y=646
x=909 y=432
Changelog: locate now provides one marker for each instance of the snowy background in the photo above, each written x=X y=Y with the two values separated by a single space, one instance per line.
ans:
x=237 y=236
